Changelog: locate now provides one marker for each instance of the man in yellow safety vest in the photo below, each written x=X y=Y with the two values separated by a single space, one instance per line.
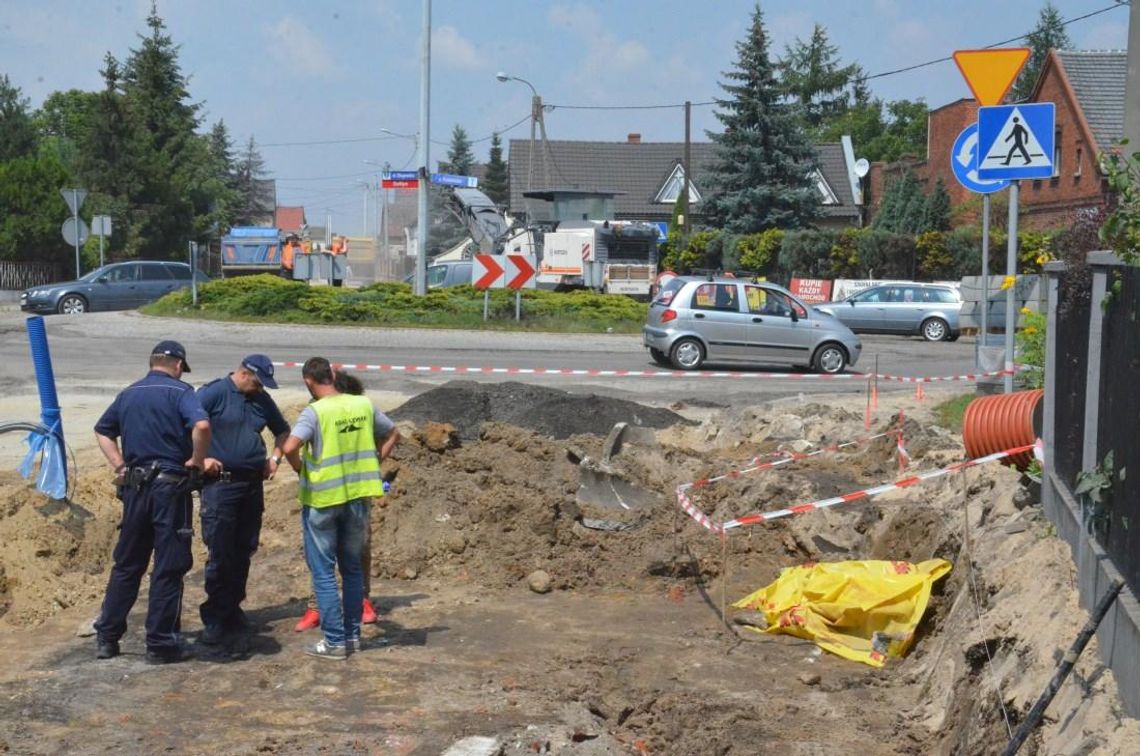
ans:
x=336 y=447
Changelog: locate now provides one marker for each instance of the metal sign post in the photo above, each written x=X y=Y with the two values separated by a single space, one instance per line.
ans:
x=74 y=198
x=194 y=273
x=1011 y=292
x=978 y=343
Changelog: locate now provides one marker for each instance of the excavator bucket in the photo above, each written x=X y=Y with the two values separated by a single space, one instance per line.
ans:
x=602 y=483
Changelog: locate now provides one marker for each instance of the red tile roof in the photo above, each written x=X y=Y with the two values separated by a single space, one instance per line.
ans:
x=290 y=219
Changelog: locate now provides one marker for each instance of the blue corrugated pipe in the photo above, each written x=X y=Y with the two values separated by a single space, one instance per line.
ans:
x=45 y=376
x=48 y=447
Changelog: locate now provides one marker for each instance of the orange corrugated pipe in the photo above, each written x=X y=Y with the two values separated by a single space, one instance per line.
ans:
x=1005 y=421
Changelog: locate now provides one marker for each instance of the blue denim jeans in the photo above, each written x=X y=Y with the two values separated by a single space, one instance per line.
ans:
x=334 y=538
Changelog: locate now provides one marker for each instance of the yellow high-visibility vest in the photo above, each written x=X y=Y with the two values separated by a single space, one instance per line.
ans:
x=349 y=467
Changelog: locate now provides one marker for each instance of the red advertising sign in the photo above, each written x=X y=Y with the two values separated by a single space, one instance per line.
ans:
x=811 y=290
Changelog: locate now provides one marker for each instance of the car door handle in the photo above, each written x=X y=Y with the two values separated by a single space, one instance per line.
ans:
x=757 y=320
x=699 y=315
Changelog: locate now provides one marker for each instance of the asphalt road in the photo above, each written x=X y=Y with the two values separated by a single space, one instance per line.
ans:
x=100 y=352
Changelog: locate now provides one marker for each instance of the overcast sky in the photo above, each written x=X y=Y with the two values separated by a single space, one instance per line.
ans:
x=339 y=71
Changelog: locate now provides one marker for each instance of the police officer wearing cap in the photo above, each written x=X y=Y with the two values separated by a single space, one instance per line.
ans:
x=164 y=433
x=233 y=499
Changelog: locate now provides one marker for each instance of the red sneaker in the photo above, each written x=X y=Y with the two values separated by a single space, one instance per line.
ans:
x=310 y=619
x=369 y=615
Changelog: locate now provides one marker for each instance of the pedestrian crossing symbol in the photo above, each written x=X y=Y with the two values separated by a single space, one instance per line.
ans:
x=1016 y=141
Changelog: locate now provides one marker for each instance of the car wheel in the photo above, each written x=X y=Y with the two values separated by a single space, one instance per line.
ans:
x=659 y=357
x=935 y=329
x=72 y=304
x=830 y=358
x=687 y=354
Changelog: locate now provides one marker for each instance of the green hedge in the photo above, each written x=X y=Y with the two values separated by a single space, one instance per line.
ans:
x=273 y=299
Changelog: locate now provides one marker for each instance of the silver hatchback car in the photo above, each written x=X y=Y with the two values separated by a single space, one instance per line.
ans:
x=695 y=319
x=928 y=310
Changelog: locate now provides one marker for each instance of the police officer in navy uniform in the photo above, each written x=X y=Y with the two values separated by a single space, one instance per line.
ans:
x=233 y=499
x=164 y=434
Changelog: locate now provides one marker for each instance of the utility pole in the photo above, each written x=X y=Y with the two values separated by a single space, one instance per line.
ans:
x=1132 y=84
x=424 y=141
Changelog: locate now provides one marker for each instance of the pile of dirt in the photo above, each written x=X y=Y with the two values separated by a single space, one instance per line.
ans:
x=551 y=412
x=55 y=553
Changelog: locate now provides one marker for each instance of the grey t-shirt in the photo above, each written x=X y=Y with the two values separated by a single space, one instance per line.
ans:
x=308 y=428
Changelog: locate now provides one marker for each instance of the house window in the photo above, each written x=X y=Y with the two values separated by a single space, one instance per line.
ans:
x=1077 y=167
x=670 y=191
x=827 y=196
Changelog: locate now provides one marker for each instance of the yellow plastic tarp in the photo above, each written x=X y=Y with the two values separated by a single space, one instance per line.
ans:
x=860 y=610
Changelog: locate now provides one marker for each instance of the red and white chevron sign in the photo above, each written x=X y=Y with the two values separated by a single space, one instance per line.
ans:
x=503 y=272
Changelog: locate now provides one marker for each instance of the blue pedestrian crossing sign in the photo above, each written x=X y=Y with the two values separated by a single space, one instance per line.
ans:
x=1016 y=141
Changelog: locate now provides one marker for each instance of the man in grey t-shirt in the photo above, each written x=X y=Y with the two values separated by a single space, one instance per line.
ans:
x=382 y=428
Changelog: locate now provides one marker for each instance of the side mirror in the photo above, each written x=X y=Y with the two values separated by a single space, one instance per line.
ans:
x=795 y=315
x=851 y=302
x=101 y=279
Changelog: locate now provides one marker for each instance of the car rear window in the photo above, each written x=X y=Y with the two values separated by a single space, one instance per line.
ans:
x=179 y=272
x=941 y=296
x=155 y=272
x=668 y=291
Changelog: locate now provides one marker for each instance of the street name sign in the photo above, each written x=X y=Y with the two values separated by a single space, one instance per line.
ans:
x=990 y=73
x=400 y=180
x=1016 y=141
x=450 y=179
x=964 y=163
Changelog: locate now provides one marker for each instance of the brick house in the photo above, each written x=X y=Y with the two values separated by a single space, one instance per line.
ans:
x=1087 y=87
x=649 y=176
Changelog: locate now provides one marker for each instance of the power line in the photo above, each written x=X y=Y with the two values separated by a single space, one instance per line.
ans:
x=987 y=47
x=1067 y=22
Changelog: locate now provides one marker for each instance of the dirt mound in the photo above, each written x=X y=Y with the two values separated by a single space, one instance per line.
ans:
x=551 y=412
x=55 y=552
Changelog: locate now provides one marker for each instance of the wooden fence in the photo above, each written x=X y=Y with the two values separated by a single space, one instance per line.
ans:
x=17 y=275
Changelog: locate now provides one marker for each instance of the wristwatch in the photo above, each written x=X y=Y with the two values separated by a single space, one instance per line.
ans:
x=275 y=459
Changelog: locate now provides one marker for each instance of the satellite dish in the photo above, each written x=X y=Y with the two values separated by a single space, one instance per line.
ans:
x=862 y=167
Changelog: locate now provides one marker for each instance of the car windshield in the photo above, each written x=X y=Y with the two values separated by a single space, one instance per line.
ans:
x=89 y=277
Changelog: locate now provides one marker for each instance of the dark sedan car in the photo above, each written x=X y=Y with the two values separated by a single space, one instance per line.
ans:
x=118 y=286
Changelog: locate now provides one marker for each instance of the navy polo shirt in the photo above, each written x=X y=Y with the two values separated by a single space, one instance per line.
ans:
x=153 y=418
x=236 y=421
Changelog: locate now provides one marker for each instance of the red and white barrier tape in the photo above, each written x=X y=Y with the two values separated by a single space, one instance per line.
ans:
x=867 y=493
x=463 y=369
x=788 y=457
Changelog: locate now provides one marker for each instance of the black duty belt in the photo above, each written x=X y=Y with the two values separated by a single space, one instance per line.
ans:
x=240 y=476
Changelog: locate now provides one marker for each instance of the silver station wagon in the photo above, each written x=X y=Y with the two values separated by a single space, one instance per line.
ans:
x=695 y=319
x=927 y=310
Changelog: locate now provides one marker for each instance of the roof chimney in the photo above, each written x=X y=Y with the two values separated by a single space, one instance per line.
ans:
x=633 y=138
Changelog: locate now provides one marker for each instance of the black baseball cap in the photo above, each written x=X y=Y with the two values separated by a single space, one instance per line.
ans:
x=172 y=349
x=262 y=367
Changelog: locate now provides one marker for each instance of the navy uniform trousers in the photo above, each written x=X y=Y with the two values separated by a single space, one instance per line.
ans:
x=231 y=527
x=156 y=519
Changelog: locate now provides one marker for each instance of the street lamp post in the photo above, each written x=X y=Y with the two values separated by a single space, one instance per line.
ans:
x=536 y=120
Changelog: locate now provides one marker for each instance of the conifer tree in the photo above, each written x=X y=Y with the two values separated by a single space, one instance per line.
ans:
x=495 y=177
x=459 y=155
x=813 y=79
x=1049 y=33
x=758 y=177
x=937 y=216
